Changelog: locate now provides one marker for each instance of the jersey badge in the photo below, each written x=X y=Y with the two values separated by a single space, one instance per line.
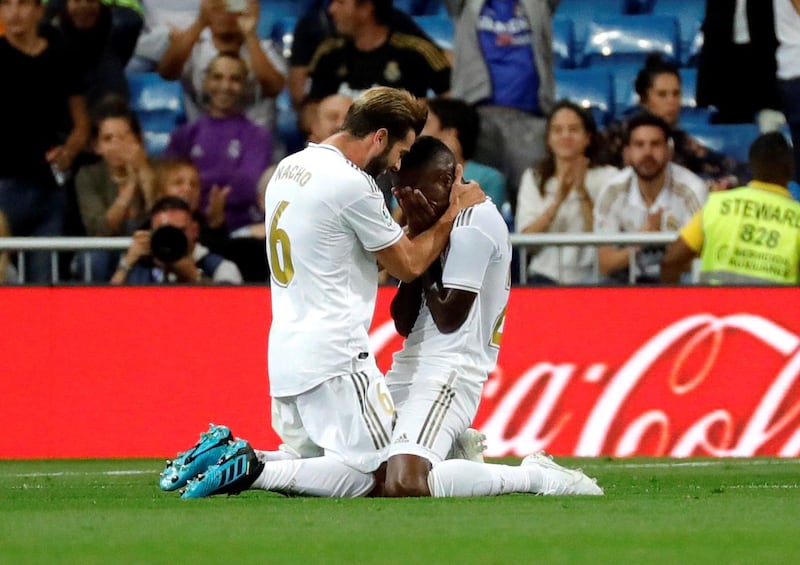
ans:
x=392 y=72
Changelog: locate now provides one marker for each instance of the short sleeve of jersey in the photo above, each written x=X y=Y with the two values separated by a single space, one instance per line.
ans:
x=692 y=232
x=372 y=223
x=470 y=251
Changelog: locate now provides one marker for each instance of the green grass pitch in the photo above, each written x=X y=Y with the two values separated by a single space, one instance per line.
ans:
x=655 y=511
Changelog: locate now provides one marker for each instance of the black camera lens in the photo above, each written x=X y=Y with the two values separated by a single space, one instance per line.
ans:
x=168 y=244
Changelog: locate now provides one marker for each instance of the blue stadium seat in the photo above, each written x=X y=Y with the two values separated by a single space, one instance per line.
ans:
x=640 y=6
x=690 y=14
x=283 y=34
x=590 y=88
x=439 y=28
x=730 y=139
x=629 y=39
x=623 y=76
x=158 y=104
x=581 y=12
x=563 y=42
x=272 y=11
x=432 y=8
x=690 y=58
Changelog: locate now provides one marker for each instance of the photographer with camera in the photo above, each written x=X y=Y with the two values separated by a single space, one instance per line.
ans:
x=169 y=253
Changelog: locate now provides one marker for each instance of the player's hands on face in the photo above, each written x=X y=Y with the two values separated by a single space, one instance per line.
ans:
x=465 y=194
x=418 y=210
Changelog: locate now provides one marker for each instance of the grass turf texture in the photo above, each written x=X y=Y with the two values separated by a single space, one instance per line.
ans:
x=654 y=511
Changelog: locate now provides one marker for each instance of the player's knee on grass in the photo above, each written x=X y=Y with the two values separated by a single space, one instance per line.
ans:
x=407 y=476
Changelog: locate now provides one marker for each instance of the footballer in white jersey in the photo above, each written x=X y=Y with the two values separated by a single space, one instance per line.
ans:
x=453 y=322
x=325 y=216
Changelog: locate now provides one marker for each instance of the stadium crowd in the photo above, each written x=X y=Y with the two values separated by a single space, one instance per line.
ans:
x=113 y=106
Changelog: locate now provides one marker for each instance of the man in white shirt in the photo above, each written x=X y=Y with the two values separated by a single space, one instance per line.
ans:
x=652 y=194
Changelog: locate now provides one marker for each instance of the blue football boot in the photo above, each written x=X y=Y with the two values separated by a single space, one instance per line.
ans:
x=234 y=472
x=190 y=463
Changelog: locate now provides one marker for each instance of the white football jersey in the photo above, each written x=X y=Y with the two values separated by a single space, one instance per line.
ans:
x=478 y=259
x=324 y=217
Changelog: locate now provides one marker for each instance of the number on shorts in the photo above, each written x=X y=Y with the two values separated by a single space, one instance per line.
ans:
x=385 y=398
x=280 y=261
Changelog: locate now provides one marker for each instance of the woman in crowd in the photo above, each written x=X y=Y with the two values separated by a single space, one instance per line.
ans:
x=114 y=194
x=557 y=196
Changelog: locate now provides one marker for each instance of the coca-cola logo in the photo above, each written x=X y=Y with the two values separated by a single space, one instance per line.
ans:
x=701 y=385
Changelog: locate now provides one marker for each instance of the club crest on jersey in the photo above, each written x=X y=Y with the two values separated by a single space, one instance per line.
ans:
x=392 y=72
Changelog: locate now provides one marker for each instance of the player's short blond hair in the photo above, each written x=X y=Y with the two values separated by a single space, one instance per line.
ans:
x=394 y=109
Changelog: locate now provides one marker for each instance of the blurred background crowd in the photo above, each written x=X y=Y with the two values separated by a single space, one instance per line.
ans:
x=161 y=120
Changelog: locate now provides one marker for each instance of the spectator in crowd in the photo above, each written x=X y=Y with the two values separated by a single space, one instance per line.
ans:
x=169 y=252
x=99 y=48
x=8 y=273
x=229 y=150
x=651 y=194
x=658 y=85
x=161 y=19
x=244 y=246
x=45 y=125
x=736 y=68
x=748 y=235
x=313 y=28
x=504 y=65
x=558 y=195
x=180 y=177
x=115 y=193
x=457 y=124
x=787 y=27
x=190 y=51
x=369 y=52
x=329 y=116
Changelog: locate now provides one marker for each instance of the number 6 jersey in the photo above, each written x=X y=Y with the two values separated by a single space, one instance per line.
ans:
x=324 y=219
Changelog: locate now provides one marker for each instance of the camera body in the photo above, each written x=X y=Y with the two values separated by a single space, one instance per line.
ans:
x=168 y=244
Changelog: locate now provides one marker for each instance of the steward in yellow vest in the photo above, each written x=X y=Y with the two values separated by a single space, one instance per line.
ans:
x=748 y=235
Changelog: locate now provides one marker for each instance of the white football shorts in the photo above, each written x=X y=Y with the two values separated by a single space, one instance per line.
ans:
x=347 y=417
x=433 y=408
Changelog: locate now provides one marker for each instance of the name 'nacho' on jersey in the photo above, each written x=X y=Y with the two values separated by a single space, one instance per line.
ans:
x=294 y=173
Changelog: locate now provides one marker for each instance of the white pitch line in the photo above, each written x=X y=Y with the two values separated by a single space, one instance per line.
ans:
x=84 y=474
x=714 y=463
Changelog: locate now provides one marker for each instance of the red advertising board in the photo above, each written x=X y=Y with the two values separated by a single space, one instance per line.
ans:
x=139 y=372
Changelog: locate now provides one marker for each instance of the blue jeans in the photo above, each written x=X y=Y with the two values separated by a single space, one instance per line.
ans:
x=790 y=98
x=33 y=210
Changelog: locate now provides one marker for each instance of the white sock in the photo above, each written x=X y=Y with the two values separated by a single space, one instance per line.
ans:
x=317 y=476
x=282 y=454
x=458 y=477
